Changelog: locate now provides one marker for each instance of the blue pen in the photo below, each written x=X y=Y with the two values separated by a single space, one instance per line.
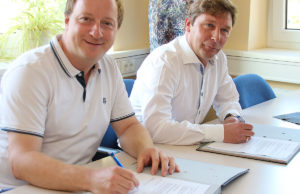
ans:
x=116 y=159
x=240 y=118
x=4 y=190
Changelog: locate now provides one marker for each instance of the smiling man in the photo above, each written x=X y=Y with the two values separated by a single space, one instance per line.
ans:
x=179 y=82
x=57 y=102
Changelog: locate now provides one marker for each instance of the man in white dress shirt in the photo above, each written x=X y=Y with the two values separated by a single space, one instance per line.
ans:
x=178 y=82
x=57 y=103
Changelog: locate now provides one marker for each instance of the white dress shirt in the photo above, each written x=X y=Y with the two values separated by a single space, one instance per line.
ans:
x=171 y=95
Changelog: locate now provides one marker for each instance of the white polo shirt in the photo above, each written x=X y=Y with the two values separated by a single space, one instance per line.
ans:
x=41 y=96
x=173 y=93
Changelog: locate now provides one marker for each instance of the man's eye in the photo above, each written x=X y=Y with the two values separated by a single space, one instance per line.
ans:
x=225 y=30
x=108 y=24
x=85 y=19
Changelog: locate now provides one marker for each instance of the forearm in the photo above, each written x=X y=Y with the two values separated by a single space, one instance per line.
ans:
x=183 y=133
x=135 y=139
x=38 y=169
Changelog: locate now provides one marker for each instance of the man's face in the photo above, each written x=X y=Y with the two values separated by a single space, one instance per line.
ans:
x=208 y=34
x=90 y=29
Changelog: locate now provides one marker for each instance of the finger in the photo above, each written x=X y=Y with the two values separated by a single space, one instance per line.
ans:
x=120 y=185
x=136 y=182
x=125 y=183
x=155 y=162
x=131 y=177
x=133 y=180
x=172 y=165
x=140 y=164
x=241 y=138
x=177 y=168
x=164 y=163
x=247 y=126
x=247 y=133
x=126 y=179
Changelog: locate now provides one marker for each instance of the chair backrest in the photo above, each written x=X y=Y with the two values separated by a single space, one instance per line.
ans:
x=110 y=138
x=129 y=84
x=253 y=90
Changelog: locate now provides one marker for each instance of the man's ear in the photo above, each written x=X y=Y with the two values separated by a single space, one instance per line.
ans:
x=67 y=20
x=187 y=24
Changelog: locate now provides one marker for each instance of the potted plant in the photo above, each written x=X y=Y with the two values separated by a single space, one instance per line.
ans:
x=33 y=27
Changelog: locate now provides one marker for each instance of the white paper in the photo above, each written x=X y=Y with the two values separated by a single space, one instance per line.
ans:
x=260 y=146
x=164 y=185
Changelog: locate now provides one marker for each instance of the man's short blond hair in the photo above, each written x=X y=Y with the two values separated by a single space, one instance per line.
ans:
x=71 y=3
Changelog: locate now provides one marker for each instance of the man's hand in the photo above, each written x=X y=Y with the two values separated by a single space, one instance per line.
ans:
x=156 y=158
x=237 y=132
x=112 y=180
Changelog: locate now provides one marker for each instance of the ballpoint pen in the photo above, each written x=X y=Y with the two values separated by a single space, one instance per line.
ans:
x=4 y=190
x=116 y=159
x=240 y=119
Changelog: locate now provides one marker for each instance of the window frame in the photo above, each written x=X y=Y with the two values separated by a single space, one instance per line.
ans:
x=278 y=36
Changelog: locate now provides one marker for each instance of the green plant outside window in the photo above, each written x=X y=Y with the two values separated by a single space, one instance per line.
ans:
x=34 y=26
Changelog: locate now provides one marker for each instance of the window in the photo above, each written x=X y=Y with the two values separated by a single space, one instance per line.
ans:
x=26 y=24
x=284 y=24
x=8 y=11
x=292 y=14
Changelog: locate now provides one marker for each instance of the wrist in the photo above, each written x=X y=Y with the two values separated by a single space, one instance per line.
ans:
x=235 y=116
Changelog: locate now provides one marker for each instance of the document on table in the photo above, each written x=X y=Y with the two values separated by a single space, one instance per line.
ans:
x=165 y=185
x=194 y=177
x=258 y=148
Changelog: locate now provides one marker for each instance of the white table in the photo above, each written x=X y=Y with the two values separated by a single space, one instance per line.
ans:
x=263 y=113
x=263 y=177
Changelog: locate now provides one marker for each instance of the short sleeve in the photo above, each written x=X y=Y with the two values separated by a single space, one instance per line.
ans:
x=24 y=100
x=121 y=108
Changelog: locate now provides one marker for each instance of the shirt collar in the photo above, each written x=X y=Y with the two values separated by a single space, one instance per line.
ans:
x=188 y=55
x=62 y=59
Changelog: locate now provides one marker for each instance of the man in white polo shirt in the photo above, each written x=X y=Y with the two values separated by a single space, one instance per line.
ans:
x=178 y=82
x=57 y=102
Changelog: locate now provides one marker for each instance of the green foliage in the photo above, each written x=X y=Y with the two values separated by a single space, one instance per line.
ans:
x=35 y=25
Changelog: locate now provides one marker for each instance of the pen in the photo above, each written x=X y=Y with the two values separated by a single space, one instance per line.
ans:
x=240 y=118
x=116 y=159
x=4 y=190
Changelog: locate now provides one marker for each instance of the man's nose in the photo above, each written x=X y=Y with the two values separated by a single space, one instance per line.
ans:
x=216 y=35
x=96 y=31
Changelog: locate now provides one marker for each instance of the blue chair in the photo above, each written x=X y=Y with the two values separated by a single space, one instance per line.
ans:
x=109 y=142
x=253 y=90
